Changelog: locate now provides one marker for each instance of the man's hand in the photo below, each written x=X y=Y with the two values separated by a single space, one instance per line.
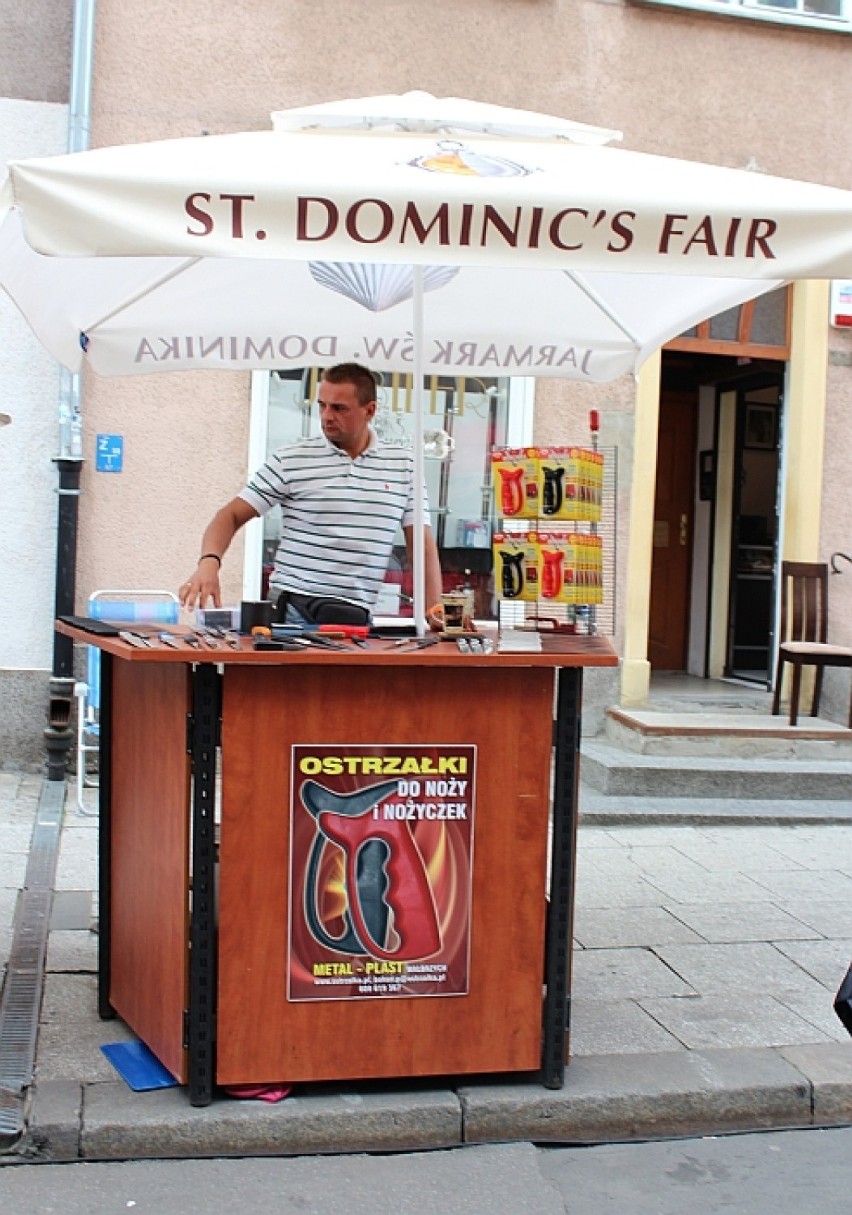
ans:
x=202 y=585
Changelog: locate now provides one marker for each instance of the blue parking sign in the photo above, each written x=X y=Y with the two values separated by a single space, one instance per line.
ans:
x=109 y=453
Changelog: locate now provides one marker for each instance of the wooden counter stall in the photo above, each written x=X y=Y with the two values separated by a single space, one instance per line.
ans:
x=366 y=941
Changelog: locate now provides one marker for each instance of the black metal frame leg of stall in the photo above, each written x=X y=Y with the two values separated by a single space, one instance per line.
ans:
x=200 y=1029
x=560 y=908
x=105 y=1009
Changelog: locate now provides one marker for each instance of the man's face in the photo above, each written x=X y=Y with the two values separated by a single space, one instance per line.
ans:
x=345 y=422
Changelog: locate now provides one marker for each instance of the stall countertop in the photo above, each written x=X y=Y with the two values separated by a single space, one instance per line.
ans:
x=557 y=650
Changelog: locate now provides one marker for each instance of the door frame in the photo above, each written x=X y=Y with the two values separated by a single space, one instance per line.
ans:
x=680 y=477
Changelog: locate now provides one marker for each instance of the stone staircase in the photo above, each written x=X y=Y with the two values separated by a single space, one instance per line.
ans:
x=715 y=746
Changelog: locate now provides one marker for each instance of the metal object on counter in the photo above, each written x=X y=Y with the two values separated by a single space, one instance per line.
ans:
x=208 y=637
x=137 y=640
x=475 y=645
x=417 y=643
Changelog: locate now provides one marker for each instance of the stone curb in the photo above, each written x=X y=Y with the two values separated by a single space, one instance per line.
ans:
x=772 y=815
x=605 y=1099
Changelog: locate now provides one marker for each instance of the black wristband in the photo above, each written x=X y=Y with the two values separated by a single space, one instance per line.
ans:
x=215 y=557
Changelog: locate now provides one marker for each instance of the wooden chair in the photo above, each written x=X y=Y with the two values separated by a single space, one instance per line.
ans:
x=803 y=633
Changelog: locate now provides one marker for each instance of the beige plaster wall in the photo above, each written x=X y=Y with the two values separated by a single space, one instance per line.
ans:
x=35 y=36
x=682 y=84
x=185 y=439
x=677 y=83
x=836 y=520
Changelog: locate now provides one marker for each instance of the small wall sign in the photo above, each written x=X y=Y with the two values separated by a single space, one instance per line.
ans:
x=109 y=453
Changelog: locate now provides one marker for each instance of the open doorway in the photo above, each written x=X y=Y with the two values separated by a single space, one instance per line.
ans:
x=715 y=519
x=754 y=530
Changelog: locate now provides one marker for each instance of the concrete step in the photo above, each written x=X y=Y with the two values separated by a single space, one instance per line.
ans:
x=615 y=770
x=619 y=810
x=741 y=733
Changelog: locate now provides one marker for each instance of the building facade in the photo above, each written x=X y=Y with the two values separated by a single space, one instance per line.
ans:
x=732 y=444
x=34 y=115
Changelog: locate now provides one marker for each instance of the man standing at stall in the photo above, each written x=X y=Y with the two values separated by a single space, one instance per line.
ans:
x=343 y=494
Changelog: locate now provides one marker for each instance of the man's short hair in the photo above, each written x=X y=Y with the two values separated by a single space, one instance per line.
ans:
x=361 y=378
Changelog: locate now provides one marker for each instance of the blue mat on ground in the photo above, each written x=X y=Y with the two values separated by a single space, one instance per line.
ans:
x=138 y=1066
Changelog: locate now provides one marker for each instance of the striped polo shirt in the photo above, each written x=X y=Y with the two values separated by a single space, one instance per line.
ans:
x=339 y=516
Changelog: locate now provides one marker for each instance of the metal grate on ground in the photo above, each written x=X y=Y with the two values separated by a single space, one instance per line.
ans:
x=22 y=989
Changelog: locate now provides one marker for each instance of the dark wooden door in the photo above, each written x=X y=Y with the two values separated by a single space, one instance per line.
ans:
x=671 y=566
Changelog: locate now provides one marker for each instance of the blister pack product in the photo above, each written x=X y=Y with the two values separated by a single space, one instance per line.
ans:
x=516 y=569
x=515 y=482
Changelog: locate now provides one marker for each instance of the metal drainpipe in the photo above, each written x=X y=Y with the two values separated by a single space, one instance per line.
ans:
x=58 y=733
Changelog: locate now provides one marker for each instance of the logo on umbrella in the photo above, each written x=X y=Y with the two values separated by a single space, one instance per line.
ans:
x=453 y=157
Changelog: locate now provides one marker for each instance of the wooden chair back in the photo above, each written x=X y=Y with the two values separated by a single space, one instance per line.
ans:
x=804 y=601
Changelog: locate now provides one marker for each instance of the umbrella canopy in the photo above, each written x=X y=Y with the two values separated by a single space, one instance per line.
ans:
x=419 y=111
x=543 y=251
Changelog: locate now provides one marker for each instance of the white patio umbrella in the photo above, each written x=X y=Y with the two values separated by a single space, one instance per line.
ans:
x=529 y=248
x=263 y=248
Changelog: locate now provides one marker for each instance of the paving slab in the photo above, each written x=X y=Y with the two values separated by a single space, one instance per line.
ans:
x=13 y=868
x=606 y=891
x=825 y=915
x=809 y=883
x=734 y=1021
x=15 y=837
x=72 y=951
x=828 y=850
x=818 y=1012
x=612 y=974
x=604 y=927
x=718 y=889
x=763 y=921
x=71 y=909
x=825 y=961
x=757 y=967
x=71 y=1050
x=720 y=853
x=616 y=1027
x=655 y=858
x=70 y=998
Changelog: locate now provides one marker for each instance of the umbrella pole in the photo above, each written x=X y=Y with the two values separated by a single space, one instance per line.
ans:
x=419 y=521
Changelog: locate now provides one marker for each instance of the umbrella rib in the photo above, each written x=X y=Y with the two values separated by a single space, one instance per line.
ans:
x=184 y=265
x=591 y=294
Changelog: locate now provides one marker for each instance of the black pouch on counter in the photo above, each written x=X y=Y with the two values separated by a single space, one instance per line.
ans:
x=322 y=609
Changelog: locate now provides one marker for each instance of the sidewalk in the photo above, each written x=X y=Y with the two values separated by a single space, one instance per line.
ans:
x=706 y=961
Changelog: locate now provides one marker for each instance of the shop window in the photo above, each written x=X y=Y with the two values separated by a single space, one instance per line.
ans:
x=760 y=328
x=464 y=417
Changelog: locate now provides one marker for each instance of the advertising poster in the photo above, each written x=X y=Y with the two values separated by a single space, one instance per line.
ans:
x=381 y=858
